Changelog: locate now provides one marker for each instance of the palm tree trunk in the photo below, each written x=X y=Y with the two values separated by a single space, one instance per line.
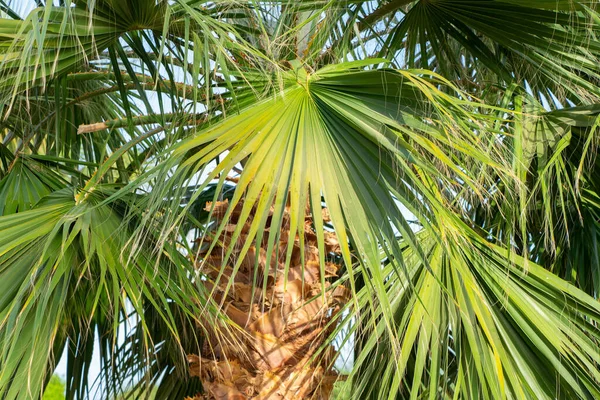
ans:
x=283 y=325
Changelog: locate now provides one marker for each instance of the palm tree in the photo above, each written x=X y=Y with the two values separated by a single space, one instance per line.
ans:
x=214 y=196
x=286 y=322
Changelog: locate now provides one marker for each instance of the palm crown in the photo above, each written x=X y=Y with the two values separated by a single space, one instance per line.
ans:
x=451 y=143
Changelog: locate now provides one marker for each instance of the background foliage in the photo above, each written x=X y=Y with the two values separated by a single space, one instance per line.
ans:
x=55 y=390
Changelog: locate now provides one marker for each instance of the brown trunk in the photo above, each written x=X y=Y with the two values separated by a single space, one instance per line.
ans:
x=272 y=356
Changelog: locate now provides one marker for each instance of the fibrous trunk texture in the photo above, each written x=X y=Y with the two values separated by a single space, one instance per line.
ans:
x=283 y=323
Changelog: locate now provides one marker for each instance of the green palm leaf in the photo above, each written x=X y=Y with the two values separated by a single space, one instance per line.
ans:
x=476 y=323
x=547 y=45
x=64 y=278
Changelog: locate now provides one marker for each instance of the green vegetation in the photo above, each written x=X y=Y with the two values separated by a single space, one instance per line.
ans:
x=212 y=195
x=55 y=390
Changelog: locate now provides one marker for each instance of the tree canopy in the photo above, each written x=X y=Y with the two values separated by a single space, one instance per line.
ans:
x=452 y=142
